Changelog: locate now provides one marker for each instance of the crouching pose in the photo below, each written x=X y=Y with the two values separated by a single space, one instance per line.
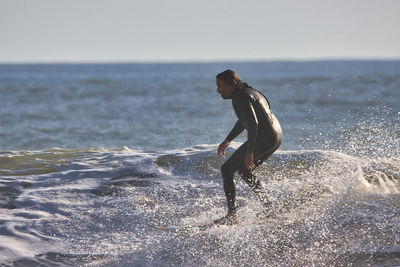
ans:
x=264 y=136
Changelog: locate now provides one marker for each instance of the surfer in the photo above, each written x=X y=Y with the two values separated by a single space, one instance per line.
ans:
x=264 y=136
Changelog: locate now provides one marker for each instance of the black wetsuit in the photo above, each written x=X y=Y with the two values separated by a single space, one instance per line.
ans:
x=264 y=137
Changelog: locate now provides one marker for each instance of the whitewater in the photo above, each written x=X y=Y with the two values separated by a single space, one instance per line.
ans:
x=94 y=207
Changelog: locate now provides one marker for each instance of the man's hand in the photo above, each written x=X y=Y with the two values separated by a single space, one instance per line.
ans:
x=222 y=147
x=248 y=162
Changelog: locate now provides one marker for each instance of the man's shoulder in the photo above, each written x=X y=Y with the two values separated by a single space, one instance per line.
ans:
x=244 y=94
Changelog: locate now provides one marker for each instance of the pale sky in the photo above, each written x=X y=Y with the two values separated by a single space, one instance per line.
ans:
x=202 y=30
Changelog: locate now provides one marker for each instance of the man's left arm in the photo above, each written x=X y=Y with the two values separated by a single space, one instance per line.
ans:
x=236 y=130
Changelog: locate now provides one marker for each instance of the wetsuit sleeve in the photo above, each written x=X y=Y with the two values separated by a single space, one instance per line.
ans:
x=236 y=130
x=247 y=116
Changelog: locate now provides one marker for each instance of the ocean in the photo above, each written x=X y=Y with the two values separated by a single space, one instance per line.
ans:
x=92 y=154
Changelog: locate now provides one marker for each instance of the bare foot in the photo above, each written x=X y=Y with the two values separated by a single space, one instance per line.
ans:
x=229 y=219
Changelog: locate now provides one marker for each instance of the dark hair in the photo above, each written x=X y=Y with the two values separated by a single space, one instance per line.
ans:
x=229 y=77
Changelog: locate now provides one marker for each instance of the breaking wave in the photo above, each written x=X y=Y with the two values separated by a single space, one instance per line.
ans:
x=94 y=206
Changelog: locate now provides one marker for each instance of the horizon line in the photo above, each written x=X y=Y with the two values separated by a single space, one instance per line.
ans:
x=188 y=61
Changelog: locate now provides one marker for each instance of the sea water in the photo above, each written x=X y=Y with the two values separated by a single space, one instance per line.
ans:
x=92 y=154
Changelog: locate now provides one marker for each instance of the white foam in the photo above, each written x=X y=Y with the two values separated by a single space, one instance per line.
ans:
x=133 y=188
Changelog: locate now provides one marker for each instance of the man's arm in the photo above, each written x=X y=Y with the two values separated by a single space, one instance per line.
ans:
x=245 y=111
x=236 y=130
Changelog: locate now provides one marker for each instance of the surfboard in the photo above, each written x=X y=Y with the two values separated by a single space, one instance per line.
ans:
x=209 y=224
x=184 y=228
x=190 y=227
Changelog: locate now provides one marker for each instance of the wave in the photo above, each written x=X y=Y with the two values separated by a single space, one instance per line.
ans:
x=93 y=206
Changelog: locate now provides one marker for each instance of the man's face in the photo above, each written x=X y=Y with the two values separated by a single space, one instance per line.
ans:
x=224 y=90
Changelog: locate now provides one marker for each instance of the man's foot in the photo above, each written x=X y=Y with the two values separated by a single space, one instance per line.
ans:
x=229 y=219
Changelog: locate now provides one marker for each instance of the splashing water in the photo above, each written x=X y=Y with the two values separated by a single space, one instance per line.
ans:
x=95 y=206
x=335 y=178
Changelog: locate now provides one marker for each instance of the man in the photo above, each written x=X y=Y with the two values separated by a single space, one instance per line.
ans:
x=264 y=136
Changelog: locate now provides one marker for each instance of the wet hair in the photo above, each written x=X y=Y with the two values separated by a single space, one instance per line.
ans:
x=229 y=77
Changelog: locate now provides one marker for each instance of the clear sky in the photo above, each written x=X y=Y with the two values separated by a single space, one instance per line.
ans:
x=202 y=30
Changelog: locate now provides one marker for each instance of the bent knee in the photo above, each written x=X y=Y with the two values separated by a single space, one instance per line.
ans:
x=226 y=170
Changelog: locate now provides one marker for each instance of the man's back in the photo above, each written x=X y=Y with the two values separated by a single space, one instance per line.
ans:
x=252 y=108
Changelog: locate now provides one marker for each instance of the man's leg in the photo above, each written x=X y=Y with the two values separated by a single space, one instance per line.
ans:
x=261 y=154
x=236 y=163
x=228 y=169
x=256 y=185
